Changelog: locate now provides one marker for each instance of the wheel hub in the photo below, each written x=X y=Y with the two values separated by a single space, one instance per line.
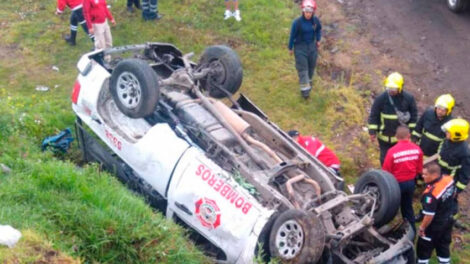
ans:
x=289 y=239
x=218 y=71
x=128 y=90
x=374 y=191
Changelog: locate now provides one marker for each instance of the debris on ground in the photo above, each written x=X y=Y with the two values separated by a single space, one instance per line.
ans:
x=42 y=88
x=5 y=168
x=9 y=236
x=59 y=143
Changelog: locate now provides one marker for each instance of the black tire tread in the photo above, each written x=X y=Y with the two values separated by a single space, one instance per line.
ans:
x=390 y=193
x=232 y=65
x=148 y=80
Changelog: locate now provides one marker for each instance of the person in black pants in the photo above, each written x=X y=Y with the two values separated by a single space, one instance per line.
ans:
x=130 y=8
x=150 y=10
x=390 y=109
x=305 y=36
x=428 y=133
x=435 y=231
x=76 y=17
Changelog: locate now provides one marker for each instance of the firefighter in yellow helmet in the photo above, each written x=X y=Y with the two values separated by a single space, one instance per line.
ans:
x=390 y=109
x=428 y=132
x=454 y=155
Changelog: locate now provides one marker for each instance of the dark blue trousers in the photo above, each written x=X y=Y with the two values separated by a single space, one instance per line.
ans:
x=407 y=190
x=149 y=9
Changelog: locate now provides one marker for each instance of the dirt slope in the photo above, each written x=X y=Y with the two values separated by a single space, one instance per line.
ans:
x=420 y=38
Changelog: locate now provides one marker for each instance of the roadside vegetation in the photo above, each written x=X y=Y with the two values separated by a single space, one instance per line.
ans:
x=79 y=214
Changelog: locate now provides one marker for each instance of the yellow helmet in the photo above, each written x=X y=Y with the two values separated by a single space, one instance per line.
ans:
x=458 y=129
x=445 y=101
x=394 y=81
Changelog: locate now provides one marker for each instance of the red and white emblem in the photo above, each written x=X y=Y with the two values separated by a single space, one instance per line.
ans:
x=208 y=213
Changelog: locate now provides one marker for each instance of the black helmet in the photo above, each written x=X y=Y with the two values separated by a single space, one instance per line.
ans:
x=293 y=133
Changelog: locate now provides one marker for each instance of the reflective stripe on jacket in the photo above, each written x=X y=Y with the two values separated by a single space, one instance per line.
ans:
x=317 y=149
x=454 y=159
x=428 y=131
x=437 y=199
x=383 y=119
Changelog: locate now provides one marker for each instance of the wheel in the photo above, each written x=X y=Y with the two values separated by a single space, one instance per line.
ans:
x=134 y=87
x=227 y=72
x=457 y=6
x=297 y=237
x=385 y=188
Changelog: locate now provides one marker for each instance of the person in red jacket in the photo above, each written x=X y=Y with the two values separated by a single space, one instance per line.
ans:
x=76 y=17
x=405 y=161
x=97 y=15
x=315 y=147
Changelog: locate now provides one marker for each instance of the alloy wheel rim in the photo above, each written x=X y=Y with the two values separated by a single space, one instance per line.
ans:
x=129 y=90
x=289 y=239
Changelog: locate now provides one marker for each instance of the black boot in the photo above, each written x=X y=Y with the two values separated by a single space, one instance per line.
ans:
x=70 y=39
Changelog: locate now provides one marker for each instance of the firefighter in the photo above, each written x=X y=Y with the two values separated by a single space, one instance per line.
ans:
x=454 y=155
x=435 y=231
x=76 y=17
x=405 y=161
x=390 y=109
x=428 y=133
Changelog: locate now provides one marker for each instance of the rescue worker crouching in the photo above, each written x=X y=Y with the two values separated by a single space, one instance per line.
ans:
x=454 y=155
x=428 y=133
x=435 y=231
x=390 y=109
x=324 y=154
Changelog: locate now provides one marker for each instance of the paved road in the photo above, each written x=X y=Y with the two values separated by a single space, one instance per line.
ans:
x=435 y=41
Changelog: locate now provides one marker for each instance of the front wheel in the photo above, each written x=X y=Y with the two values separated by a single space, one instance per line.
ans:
x=384 y=187
x=297 y=237
x=457 y=6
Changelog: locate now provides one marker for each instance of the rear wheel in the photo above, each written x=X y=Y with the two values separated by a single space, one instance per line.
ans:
x=134 y=87
x=226 y=71
x=457 y=6
x=384 y=187
x=297 y=237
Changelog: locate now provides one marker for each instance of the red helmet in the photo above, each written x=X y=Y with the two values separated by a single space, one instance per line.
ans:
x=308 y=4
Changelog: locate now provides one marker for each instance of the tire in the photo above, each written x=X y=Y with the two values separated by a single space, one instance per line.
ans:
x=227 y=71
x=134 y=87
x=383 y=185
x=297 y=237
x=457 y=6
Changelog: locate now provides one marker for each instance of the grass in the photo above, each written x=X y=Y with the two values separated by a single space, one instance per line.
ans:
x=86 y=215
